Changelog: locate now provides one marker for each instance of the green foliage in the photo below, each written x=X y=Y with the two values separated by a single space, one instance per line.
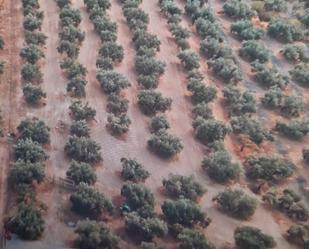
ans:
x=183 y=187
x=31 y=73
x=245 y=30
x=165 y=145
x=298 y=233
x=252 y=50
x=1 y=42
x=68 y=16
x=269 y=76
x=81 y=172
x=269 y=168
x=72 y=34
x=250 y=127
x=208 y=29
x=76 y=86
x=73 y=68
x=137 y=19
x=33 y=94
x=305 y=153
x=31 y=53
x=29 y=151
x=253 y=238
x=112 y=50
x=275 y=5
x=133 y=171
x=202 y=110
x=295 y=129
x=294 y=53
x=237 y=9
x=283 y=30
x=192 y=239
x=146 y=228
x=201 y=92
x=220 y=167
x=2 y=63
x=94 y=235
x=35 y=38
x=239 y=102
x=151 y=102
x=143 y=39
x=158 y=123
x=89 y=202
x=82 y=111
x=181 y=35
x=26 y=222
x=32 y=22
x=25 y=172
x=62 y=3
x=304 y=18
x=80 y=128
x=112 y=82
x=118 y=124
x=83 y=149
x=117 y=104
x=236 y=202
x=226 y=69
x=34 y=129
x=70 y=48
x=184 y=212
x=189 y=59
x=287 y=202
x=138 y=197
x=300 y=74
x=150 y=245
x=209 y=131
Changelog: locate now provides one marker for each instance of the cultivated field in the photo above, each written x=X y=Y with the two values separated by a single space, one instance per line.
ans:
x=154 y=124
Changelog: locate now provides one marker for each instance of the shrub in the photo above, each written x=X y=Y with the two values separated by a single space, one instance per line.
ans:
x=252 y=50
x=294 y=53
x=158 y=123
x=209 y=131
x=269 y=168
x=118 y=124
x=80 y=128
x=82 y=111
x=149 y=66
x=250 y=237
x=104 y=63
x=34 y=129
x=25 y=172
x=226 y=69
x=31 y=73
x=112 y=50
x=210 y=47
x=76 y=86
x=236 y=202
x=81 y=172
x=27 y=222
x=245 y=30
x=133 y=171
x=201 y=92
x=68 y=15
x=164 y=144
x=29 y=151
x=136 y=18
x=151 y=102
x=189 y=59
x=298 y=233
x=250 y=127
x=93 y=235
x=143 y=39
x=31 y=53
x=89 y=202
x=145 y=228
x=32 y=22
x=305 y=153
x=269 y=76
x=300 y=73
x=184 y=212
x=181 y=35
x=83 y=149
x=33 y=94
x=288 y=202
x=137 y=197
x=112 y=82
x=295 y=129
x=219 y=166
x=239 y=102
x=117 y=104
x=190 y=238
x=35 y=38
x=282 y=30
x=208 y=28
x=202 y=110
x=237 y=9
x=73 y=68
x=70 y=48
x=183 y=187
x=72 y=34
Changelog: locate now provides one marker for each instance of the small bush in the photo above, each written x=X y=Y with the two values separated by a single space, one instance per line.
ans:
x=202 y=110
x=31 y=73
x=31 y=53
x=294 y=53
x=118 y=124
x=133 y=171
x=201 y=92
x=33 y=94
x=236 y=202
x=32 y=22
x=35 y=38
x=189 y=59
x=76 y=86
x=82 y=111
x=112 y=50
x=80 y=128
x=159 y=123
x=81 y=172
x=34 y=129
x=117 y=104
x=112 y=82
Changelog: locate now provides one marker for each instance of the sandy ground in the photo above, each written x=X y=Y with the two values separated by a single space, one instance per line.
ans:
x=58 y=234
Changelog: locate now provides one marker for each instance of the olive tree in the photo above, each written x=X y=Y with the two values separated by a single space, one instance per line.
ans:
x=190 y=238
x=29 y=151
x=112 y=50
x=201 y=92
x=189 y=59
x=81 y=172
x=236 y=202
x=300 y=74
x=237 y=9
x=31 y=73
x=158 y=123
x=133 y=171
x=245 y=30
x=118 y=124
x=76 y=86
x=275 y=5
x=35 y=38
x=305 y=153
x=298 y=233
x=34 y=129
x=31 y=53
x=80 y=128
x=295 y=129
x=33 y=94
x=82 y=111
x=252 y=51
x=26 y=172
x=112 y=82
x=117 y=104
x=220 y=167
x=202 y=110
x=294 y=53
